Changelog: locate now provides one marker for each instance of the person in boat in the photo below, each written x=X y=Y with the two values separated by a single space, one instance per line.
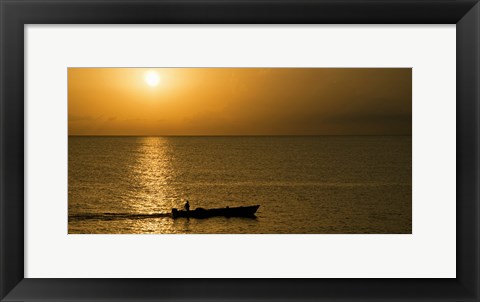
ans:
x=187 y=206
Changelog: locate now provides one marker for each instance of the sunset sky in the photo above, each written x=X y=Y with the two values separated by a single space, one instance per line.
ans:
x=239 y=101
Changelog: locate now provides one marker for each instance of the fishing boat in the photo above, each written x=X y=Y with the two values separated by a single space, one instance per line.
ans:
x=201 y=213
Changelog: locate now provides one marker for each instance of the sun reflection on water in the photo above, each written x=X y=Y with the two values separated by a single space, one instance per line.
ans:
x=152 y=174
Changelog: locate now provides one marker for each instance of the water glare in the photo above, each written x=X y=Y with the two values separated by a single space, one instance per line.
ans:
x=152 y=174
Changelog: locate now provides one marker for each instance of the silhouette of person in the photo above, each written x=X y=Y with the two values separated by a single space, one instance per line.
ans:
x=187 y=206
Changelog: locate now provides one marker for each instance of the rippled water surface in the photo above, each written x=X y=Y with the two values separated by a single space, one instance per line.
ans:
x=322 y=184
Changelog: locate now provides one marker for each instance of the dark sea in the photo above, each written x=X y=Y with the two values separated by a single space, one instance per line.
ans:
x=304 y=184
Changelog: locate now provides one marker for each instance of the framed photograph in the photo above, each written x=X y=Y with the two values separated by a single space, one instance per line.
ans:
x=239 y=150
x=178 y=150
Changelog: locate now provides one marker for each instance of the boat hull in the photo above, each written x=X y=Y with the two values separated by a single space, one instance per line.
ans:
x=201 y=213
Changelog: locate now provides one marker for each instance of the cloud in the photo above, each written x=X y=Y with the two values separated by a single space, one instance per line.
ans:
x=76 y=118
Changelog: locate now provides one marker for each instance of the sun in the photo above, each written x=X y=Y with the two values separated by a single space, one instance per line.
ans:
x=152 y=78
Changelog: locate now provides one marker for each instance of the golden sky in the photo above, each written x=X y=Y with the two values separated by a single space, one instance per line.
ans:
x=239 y=101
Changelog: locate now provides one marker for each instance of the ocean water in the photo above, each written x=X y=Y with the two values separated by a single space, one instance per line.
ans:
x=304 y=185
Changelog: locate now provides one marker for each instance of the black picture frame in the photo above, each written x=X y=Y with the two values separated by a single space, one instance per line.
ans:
x=14 y=14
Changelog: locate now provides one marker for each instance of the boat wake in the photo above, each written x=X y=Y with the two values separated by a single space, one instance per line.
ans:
x=116 y=216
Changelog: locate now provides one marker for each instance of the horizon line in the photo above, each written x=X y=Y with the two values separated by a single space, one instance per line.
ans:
x=234 y=135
